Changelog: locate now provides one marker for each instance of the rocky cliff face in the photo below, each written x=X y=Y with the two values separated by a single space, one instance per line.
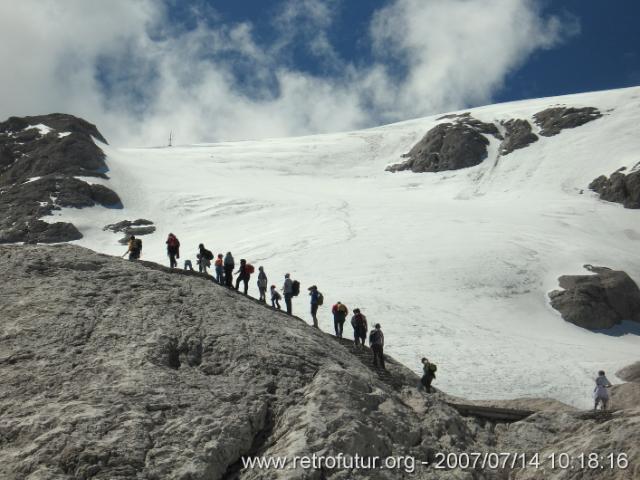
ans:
x=619 y=188
x=39 y=159
x=119 y=370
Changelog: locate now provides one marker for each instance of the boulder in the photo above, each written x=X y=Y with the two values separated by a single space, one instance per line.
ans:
x=630 y=373
x=597 y=301
x=449 y=146
x=619 y=188
x=555 y=119
x=518 y=135
x=625 y=396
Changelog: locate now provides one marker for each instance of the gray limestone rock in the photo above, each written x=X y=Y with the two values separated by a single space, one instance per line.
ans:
x=619 y=188
x=518 y=135
x=555 y=119
x=597 y=301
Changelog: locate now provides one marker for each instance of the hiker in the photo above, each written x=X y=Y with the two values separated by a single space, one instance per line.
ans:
x=245 y=271
x=429 y=374
x=275 y=297
x=600 y=393
x=316 y=301
x=204 y=257
x=359 y=324
x=376 y=342
x=287 y=289
x=219 y=266
x=340 y=312
x=134 y=248
x=262 y=284
x=229 y=264
x=173 y=250
x=188 y=265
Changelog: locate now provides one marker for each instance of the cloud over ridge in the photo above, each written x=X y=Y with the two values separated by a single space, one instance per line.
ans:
x=128 y=67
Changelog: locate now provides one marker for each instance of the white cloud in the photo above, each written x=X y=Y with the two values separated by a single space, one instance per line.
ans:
x=125 y=67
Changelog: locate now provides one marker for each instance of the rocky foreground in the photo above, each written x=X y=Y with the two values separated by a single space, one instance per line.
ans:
x=120 y=370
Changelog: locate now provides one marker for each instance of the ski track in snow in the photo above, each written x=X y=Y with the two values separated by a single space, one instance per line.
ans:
x=456 y=266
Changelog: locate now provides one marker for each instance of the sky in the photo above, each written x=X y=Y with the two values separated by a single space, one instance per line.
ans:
x=226 y=70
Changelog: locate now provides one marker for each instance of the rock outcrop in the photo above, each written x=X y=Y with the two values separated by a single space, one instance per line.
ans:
x=137 y=227
x=619 y=187
x=449 y=146
x=555 y=119
x=126 y=370
x=630 y=373
x=39 y=160
x=518 y=135
x=597 y=301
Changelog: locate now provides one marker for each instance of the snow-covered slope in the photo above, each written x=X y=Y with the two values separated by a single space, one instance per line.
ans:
x=456 y=266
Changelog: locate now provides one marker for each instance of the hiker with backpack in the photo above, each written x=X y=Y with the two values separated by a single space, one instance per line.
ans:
x=287 y=290
x=376 y=342
x=275 y=297
x=262 y=284
x=229 y=264
x=429 y=374
x=359 y=324
x=219 y=266
x=340 y=312
x=134 y=248
x=204 y=258
x=600 y=393
x=173 y=250
x=245 y=271
x=316 y=300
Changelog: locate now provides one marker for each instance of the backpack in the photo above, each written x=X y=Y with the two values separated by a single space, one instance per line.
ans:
x=433 y=368
x=173 y=242
x=359 y=320
x=208 y=255
x=249 y=268
x=320 y=298
x=295 y=288
x=374 y=337
x=137 y=245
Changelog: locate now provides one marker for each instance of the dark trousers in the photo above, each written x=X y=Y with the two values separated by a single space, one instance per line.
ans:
x=426 y=382
x=378 y=355
x=263 y=294
x=173 y=263
x=275 y=303
x=245 y=279
x=287 y=301
x=338 y=326
x=228 y=276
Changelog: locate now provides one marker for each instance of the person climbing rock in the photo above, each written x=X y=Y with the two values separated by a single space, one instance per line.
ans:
x=204 y=258
x=188 y=265
x=229 y=264
x=359 y=324
x=315 y=303
x=262 y=284
x=287 y=290
x=340 y=312
x=275 y=297
x=376 y=342
x=429 y=374
x=244 y=272
x=219 y=268
x=600 y=393
x=134 y=248
x=173 y=250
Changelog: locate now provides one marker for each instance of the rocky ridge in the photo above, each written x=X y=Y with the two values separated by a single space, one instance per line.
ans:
x=127 y=370
x=40 y=158
x=619 y=187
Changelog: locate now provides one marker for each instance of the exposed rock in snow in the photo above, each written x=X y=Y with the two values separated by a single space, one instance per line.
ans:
x=137 y=227
x=119 y=370
x=597 y=301
x=37 y=164
x=449 y=146
x=553 y=120
x=619 y=188
x=518 y=135
x=630 y=373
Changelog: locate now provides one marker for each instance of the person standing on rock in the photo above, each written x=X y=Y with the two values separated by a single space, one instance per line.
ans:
x=244 y=275
x=173 y=250
x=315 y=303
x=429 y=374
x=219 y=267
x=340 y=312
x=134 y=248
x=287 y=289
x=275 y=297
x=359 y=324
x=229 y=265
x=204 y=258
x=262 y=284
x=600 y=393
x=376 y=342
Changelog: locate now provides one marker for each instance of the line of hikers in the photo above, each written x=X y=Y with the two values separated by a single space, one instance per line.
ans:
x=224 y=266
